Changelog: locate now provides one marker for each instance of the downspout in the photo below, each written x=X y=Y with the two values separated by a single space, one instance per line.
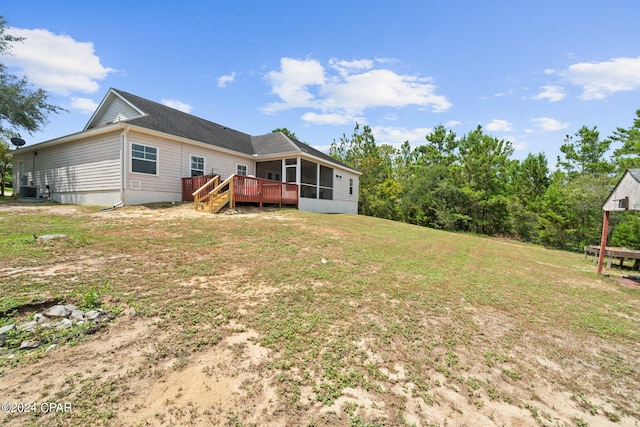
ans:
x=123 y=144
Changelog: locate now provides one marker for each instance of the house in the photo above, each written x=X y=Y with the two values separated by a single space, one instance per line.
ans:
x=135 y=151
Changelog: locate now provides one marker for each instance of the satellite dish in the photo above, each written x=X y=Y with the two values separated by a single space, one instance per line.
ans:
x=18 y=142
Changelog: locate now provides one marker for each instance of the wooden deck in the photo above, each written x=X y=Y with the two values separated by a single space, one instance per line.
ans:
x=208 y=192
x=258 y=190
x=613 y=252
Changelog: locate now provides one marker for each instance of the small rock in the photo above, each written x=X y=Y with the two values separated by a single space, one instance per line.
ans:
x=92 y=315
x=28 y=326
x=324 y=261
x=132 y=312
x=70 y=307
x=50 y=237
x=27 y=344
x=57 y=311
x=77 y=315
x=40 y=318
x=64 y=324
x=7 y=328
x=51 y=347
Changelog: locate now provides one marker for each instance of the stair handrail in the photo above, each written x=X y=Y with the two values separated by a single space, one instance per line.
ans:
x=195 y=194
x=214 y=193
x=221 y=186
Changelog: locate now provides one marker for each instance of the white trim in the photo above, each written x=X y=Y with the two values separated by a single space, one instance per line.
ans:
x=131 y=143
x=246 y=167
x=104 y=102
x=193 y=142
x=204 y=164
x=69 y=138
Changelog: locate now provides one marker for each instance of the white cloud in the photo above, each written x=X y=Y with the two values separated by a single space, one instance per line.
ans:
x=601 y=79
x=223 y=81
x=56 y=63
x=291 y=84
x=347 y=67
x=347 y=88
x=452 y=124
x=330 y=118
x=497 y=125
x=84 y=105
x=551 y=93
x=395 y=136
x=383 y=88
x=178 y=105
x=548 y=124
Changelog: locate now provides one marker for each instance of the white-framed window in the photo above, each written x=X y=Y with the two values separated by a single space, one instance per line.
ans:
x=144 y=159
x=241 y=170
x=197 y=165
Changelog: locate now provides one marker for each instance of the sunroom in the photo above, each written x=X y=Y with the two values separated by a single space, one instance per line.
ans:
x=314 y=179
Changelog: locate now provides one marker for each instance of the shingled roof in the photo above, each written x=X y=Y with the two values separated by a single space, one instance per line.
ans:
x=175 y=122
x=168 y=120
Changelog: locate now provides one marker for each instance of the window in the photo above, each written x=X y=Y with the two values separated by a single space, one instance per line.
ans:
x=351 y=186
x=144 y=159
x=197 y=165
x=241 y=170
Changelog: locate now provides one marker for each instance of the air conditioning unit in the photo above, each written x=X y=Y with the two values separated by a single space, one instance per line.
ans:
x=28 y=192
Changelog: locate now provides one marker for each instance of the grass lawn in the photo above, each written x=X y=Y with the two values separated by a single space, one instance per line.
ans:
x=293 y=318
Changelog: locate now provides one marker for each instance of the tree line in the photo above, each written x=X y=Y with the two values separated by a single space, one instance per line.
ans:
x=472 y=183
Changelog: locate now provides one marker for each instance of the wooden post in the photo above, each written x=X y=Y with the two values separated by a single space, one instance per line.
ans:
x=232 y=190
x=603 y=241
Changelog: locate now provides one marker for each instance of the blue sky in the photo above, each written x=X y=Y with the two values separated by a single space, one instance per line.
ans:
x=527 y=71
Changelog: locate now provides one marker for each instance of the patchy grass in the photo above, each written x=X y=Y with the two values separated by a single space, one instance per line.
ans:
x=411 y=326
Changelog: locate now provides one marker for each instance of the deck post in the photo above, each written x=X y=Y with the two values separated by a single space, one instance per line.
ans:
x=603 y=241
x=232 y=200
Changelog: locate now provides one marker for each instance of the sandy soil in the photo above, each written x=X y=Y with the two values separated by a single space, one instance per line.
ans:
x=230 y=377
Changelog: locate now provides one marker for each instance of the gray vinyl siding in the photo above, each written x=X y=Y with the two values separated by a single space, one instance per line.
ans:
x=168 y=165
x=215 y=162
x=117 y=107
x=86 y=165
x=341 y=186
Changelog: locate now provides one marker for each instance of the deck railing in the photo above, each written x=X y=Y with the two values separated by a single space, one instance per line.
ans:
x=259 y=190
x=205 y=189
x=192 y=184
x=240 y=189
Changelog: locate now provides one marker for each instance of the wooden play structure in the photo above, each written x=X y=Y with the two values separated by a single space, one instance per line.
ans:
x=624 y=197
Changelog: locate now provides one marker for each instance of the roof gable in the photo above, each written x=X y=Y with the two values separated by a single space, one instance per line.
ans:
x=627 y=187
x=113 y=108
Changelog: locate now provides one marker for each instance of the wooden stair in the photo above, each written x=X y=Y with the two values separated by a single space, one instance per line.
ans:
x=211 y=197
x=218 y=202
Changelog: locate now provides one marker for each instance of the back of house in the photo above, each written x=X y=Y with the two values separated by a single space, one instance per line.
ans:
x=135 y=151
